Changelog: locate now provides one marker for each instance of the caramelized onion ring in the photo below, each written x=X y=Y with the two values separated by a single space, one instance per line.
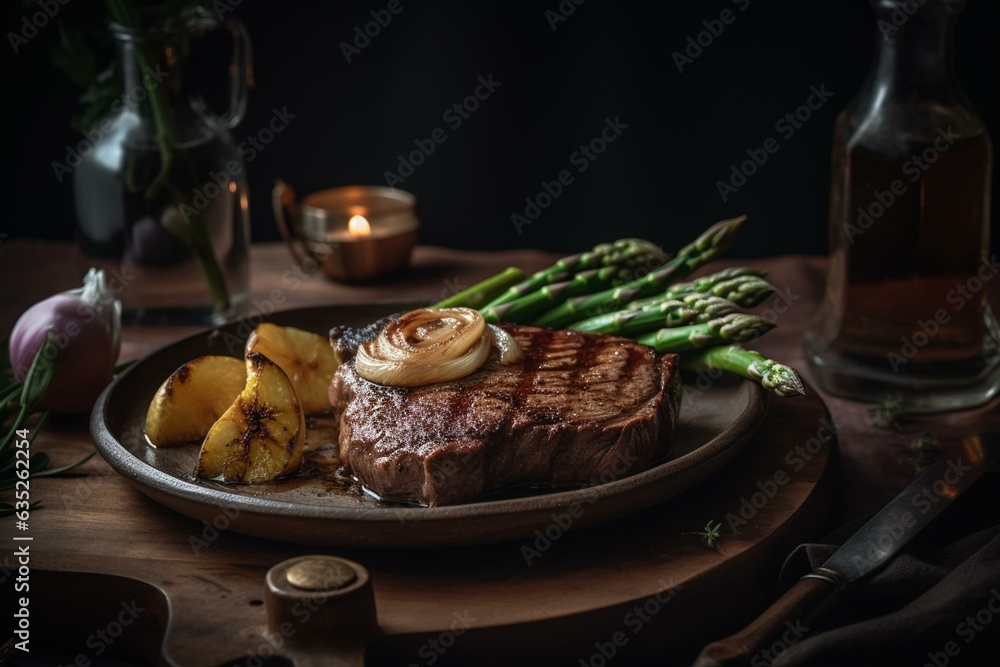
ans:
x=428 y=346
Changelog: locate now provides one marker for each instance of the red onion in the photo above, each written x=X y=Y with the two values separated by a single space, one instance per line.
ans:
x=86 y=324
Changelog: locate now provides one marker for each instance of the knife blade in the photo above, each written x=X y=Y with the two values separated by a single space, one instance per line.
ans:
x=865 y=552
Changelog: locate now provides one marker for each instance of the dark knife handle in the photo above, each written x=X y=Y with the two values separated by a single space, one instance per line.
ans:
x=788 y=619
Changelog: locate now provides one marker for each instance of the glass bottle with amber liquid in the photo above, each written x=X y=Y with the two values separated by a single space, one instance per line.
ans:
x=905 y=313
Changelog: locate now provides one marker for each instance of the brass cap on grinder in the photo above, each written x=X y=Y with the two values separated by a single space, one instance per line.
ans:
x=321 y=601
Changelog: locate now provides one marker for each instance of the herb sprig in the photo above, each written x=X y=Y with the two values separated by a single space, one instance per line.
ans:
x=924 y=449
x=709 y=535
x=886 y=414
x=20 y=400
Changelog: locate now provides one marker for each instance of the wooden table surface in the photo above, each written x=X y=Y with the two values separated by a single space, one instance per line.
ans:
x=875 y=463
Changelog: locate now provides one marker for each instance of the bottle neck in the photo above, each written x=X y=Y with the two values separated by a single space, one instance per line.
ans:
x=151 y=68
x=915 y=50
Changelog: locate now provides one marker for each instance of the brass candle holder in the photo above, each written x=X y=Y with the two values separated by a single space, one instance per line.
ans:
x=355 y=233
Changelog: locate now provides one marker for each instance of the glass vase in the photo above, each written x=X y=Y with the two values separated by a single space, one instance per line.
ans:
x=161 y=195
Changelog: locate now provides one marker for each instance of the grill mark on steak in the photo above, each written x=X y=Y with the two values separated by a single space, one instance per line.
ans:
x=578 y=405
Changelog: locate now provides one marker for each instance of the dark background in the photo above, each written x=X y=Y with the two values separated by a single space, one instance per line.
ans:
x=607 y=59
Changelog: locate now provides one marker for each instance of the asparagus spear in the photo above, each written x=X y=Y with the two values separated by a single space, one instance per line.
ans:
x=692 y=308
x=626 y=253
x=711 y=243
x=745 y=291
x=477 y=295
x=735 y=328
x=705 y=283
x=781 y=379
x=527 y=307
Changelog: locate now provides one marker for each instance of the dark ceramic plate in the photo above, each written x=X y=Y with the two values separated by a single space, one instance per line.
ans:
x=715 y=422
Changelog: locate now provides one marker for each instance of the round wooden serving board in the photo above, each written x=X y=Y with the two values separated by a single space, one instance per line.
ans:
x=637 y=585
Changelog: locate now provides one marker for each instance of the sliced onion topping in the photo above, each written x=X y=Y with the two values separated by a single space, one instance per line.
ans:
x=429 y=346
x=510 y=351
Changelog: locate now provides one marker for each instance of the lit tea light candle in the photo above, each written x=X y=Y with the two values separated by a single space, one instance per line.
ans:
x=356 y=233
x=358 y=226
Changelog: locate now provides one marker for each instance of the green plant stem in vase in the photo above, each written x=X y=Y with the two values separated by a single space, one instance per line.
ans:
x=182 y=220
x=191 y=231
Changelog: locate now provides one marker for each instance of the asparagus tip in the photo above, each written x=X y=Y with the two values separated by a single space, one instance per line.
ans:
x=781 y=379
x=718 y=237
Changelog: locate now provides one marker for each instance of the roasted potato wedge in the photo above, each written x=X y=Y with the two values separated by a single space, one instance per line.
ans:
x=262 y=434
x=306 y=358
x=192 y=399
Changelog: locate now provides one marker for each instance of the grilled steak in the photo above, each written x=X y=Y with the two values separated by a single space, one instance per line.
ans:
x=580 y=408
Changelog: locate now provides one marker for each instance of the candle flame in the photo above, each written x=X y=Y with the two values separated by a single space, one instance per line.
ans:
x=358 y=226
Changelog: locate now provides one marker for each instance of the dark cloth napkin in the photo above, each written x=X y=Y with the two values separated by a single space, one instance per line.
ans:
x=937 y=603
